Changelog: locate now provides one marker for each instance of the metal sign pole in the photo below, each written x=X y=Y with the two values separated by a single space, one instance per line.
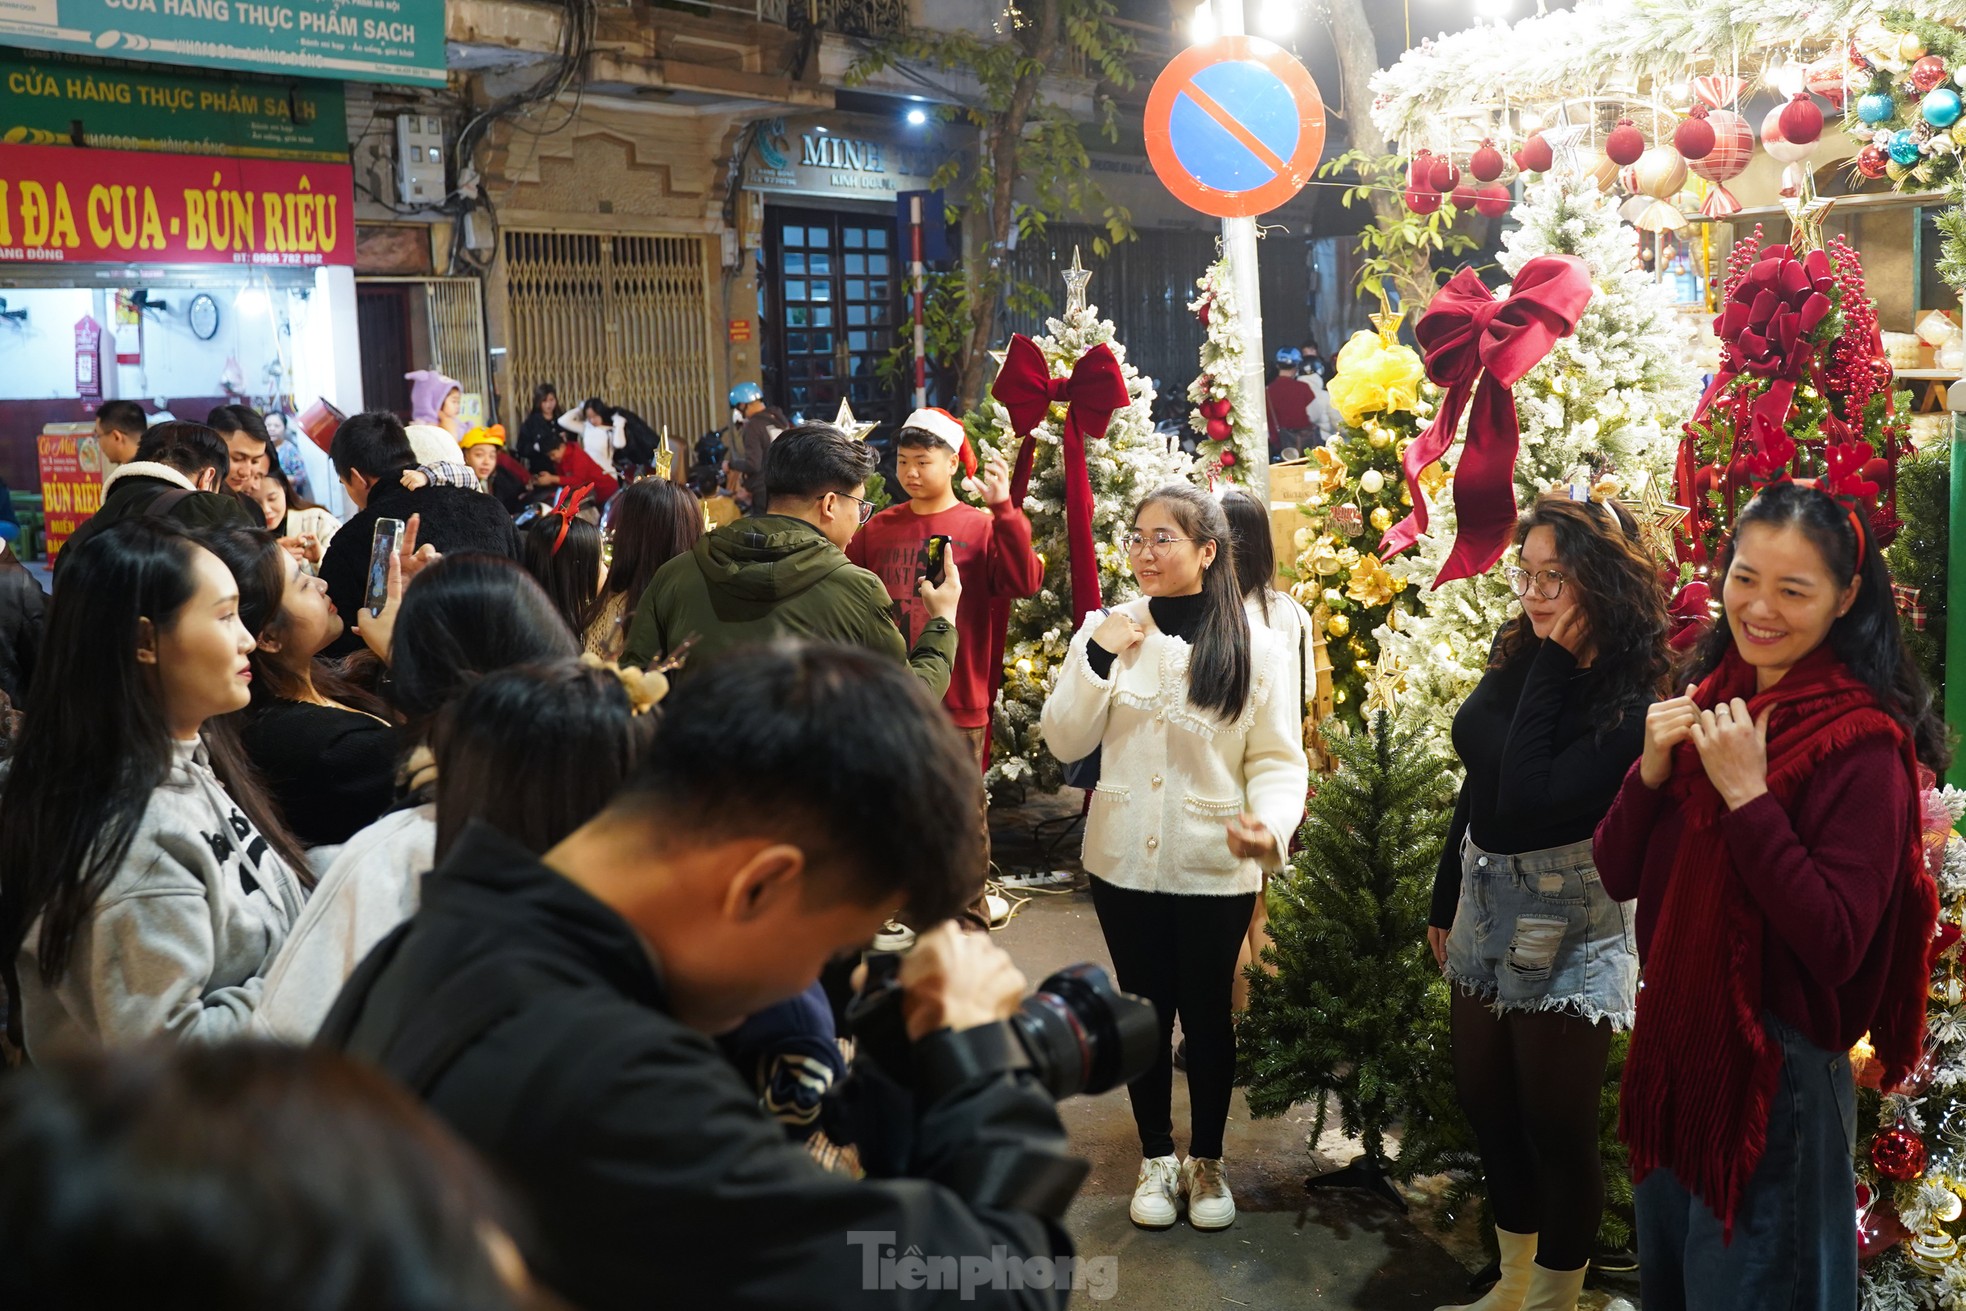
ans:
x=1239 y=245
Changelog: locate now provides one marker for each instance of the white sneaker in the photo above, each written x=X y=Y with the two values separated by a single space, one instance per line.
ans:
x=1210 y=1204
x=1153 y=1197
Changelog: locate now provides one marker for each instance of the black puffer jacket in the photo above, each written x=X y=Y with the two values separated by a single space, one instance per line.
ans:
x=21 y=607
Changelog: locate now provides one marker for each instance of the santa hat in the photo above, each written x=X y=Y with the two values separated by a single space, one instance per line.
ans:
x=427 y=391
x=947 y=429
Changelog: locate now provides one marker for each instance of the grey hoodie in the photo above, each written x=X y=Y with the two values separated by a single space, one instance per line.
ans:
x=180 y=938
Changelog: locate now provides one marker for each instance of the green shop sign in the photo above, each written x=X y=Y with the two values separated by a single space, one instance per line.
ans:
x=367 y=40
x=56 y=101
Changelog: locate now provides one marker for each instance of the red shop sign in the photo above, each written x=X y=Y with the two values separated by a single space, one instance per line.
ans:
x=59 y=204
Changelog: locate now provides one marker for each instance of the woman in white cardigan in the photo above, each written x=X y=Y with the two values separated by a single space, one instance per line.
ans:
x=1201 y=785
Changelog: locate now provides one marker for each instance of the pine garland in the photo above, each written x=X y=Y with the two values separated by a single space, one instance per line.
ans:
x=1221 y=379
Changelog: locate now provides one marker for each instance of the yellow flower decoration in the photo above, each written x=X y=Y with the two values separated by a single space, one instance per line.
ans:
x=1374 y=376
x=1331 y=471
x=1371 y=583
x=1324 y=557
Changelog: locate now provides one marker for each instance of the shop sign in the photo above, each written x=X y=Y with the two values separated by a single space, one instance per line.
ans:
x=50 y=100
x=815 y=162
x=368 y=40
x=59 y=205
x=740 y=330
x=71 y=481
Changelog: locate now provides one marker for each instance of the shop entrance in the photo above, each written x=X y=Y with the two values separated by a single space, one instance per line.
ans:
x=421 y=323
x=832 y=303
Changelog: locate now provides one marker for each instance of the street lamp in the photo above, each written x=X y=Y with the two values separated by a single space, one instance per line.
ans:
x=1202 y=27
x=1279 y=18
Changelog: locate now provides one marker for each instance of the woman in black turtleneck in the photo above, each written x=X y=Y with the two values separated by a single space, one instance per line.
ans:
x=1541 y=957
x=1202 y=777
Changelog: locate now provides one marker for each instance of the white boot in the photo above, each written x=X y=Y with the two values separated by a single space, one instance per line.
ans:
x=1554 y=1290
x=1518 y=1264
x=1153 y=1197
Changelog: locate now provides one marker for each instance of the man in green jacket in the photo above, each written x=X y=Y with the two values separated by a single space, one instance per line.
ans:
x=785 y=574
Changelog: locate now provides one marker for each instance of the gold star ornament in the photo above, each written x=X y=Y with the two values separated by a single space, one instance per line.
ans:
x=1657 y=519
x=851 y=426
x=1384 y=684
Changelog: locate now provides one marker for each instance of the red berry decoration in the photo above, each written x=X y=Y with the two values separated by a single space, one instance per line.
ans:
x=1693 y=138
x=1219 y=430
x=1422 y=201
x=1493 y=200
x=1625 y=144
x=1442 y=176
x=1898 y=1154
x=1801 y=121
x=1486 y=162
x=1463 y=197
x=1872 y=162
x=1928 y=73
x=1535 y=155
x=1228 y=460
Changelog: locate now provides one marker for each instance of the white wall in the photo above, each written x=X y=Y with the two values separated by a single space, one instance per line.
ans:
x=37 y=355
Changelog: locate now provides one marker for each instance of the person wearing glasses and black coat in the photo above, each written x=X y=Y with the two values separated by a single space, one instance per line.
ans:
x=1541 y=958
x=786 y=574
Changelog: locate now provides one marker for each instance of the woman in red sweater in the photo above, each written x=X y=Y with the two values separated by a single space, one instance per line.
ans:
x=1770 y=835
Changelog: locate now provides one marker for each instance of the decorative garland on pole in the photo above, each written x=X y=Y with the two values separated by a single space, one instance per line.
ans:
x=1230 y=422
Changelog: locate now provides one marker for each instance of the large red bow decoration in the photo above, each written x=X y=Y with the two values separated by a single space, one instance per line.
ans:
x=1095 y=389
x=1478 y=347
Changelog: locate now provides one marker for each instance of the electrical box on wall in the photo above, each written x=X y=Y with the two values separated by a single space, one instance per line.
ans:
x=420 y=159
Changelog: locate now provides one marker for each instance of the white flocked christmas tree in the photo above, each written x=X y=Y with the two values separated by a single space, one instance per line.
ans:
x=1130 y=462
x=1609 y=398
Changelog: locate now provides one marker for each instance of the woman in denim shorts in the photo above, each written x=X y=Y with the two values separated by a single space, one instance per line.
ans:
x=1541 y=958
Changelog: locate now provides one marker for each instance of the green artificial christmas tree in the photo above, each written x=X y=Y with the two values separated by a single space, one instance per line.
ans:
x=1918 y=556
x=1356 y=1011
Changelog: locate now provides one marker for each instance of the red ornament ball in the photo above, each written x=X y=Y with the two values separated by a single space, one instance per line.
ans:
x=1801 y=121
x=1928 y=73
x=1493 y=200
x=1202 y=313
x=1417 y=172
x=1898 y=1154
x=1215 y=407
x=1693 y=138
x=1228 y=460
x=1422 y=201
x=1872 y=162
x=1463 y=197
x=1625 y=144
x=1486 y=162
x=1535 y=155
x=1442 y=176
x=1219 y=430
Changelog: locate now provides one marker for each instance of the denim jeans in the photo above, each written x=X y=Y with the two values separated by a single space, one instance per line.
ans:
x=1795 y=1240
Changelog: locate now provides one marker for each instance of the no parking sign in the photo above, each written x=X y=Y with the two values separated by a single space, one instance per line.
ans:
x=1235 y=127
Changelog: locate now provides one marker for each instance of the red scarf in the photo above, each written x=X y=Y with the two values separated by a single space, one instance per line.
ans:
x=1702 y=1069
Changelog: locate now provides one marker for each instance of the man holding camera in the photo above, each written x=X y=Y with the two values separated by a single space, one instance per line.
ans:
x=559 y=1012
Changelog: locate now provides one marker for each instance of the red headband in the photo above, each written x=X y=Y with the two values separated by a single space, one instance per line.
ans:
x=567 y=505
x=1843 y=478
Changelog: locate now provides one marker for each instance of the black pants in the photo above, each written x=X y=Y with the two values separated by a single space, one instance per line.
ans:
x=1179 y=952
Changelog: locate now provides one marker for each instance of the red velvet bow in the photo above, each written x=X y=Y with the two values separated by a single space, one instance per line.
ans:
x=1095 y=389
x=1479 y=347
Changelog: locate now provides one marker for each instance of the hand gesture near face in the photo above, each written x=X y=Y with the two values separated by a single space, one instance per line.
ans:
x=1667 y=724
x=1733 y=747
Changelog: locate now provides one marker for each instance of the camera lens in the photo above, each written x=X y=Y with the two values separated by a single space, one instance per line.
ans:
x=1083 y=1035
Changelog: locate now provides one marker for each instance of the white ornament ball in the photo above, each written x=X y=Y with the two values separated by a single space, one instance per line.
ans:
x=1371 y=482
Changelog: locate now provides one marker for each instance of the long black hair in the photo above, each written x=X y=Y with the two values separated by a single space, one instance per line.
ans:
x=535 y=751
x=259 y=563
x=1867 y=638
x=1618 y=587
x=1256 y=554
x=462 y=618
x=539 y=395
x=571 y=574
x=653 y=521
x=598 y=406
x=1219 y=673
x=94 y=743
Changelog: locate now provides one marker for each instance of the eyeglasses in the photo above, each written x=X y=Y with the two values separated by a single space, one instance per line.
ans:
x=1155 y=545
x=866 y=506
x=1549 y=582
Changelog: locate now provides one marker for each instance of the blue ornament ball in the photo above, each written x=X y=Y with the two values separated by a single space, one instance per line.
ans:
x=1904 y=147
x=1941 y=107
x=1875 y=107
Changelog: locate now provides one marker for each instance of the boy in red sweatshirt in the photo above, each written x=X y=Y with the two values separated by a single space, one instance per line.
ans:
x=992 y=550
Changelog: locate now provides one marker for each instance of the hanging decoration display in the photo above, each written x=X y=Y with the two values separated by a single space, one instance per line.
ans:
x=1733 y=143
x=1229 y=422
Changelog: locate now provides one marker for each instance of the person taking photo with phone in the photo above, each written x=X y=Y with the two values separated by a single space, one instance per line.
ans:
x=991 y=547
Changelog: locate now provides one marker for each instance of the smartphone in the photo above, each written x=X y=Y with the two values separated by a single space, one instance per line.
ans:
x=388 y=533
x=935 y=553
